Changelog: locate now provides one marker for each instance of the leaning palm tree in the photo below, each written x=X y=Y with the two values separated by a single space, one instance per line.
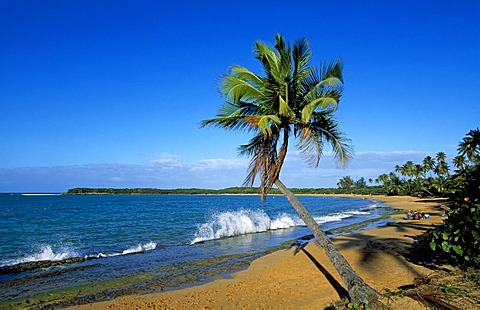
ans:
x=291 y=99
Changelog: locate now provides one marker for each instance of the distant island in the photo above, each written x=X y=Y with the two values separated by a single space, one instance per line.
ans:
x=367 y=190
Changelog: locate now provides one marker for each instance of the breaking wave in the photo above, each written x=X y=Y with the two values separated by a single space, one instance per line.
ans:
x=335 y=217
x=135 y=249
x=46 y=253
x=233 y=223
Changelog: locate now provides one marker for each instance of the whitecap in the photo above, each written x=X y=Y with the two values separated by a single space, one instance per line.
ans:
x=139 y=248
x=44 y=253
x=240 y=222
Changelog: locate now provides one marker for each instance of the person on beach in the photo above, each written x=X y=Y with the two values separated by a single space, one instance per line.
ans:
x=409 y=215
x=417 y=215
x=425 y=216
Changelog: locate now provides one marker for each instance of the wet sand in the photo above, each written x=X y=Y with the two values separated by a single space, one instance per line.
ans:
x=307 y=280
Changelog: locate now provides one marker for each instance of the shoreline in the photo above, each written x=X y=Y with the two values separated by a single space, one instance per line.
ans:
x=308 y=279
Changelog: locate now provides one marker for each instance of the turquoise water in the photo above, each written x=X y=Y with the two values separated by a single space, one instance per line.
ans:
x=58 y=227
x=166 y=230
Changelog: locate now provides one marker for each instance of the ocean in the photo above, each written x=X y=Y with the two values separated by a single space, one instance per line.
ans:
x=152 y=243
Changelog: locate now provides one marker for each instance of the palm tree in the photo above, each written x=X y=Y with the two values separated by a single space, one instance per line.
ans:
x=441 y=156
x=370 y=181
x=394 y=183
x=346 y=182
x=290 y=99
x=383 y=178
x=428 y=164
x=441 y=169
x=408 y=169
x=459 y=162
x=400 y=170
x=470 y=145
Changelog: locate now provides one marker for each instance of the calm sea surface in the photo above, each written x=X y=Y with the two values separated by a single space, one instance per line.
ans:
x=123 y=235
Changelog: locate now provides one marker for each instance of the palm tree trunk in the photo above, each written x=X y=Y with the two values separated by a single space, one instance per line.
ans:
x=358 y=290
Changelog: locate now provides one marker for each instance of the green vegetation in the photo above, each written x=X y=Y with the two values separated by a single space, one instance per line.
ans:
x=428 y=178
x=347 y=185
x=368 y=190
x=458 y=239
x=158 y=191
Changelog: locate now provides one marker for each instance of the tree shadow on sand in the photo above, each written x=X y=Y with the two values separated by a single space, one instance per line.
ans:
x=341 y=291
x=405 y=250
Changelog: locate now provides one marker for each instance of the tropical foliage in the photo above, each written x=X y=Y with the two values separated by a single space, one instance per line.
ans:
x=428 y=178
x=459 y=237
x=348 y=183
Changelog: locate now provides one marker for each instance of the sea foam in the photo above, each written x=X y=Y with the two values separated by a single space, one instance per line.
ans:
x=240 y=222
x=44 y=253
x=335 y=217
x=134 y=249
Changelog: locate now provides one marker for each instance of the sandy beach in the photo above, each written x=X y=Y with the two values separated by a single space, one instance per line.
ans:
x=307 y=280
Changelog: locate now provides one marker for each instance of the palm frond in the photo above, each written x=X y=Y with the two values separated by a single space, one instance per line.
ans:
x=316 y=85
x=233 y=116
x=260 y=150
x=267 y=57
x=301 y=56
x=238 y=89
x=245 y=74
x=252 y=150
x=313 y=135
x=310 y=146
x=283 y=107
x=262 y=123
x=283 y=74
x=322 y=103
x=333 y=69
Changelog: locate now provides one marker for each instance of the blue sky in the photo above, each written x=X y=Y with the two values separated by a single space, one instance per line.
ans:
x=111 y=93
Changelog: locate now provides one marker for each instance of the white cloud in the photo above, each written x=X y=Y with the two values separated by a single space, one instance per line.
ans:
x=168 y=161
x=170 y=171
x=215 y=164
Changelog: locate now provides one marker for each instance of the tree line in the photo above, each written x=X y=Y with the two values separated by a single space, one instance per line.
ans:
x=430 y=178
x=200 y=191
